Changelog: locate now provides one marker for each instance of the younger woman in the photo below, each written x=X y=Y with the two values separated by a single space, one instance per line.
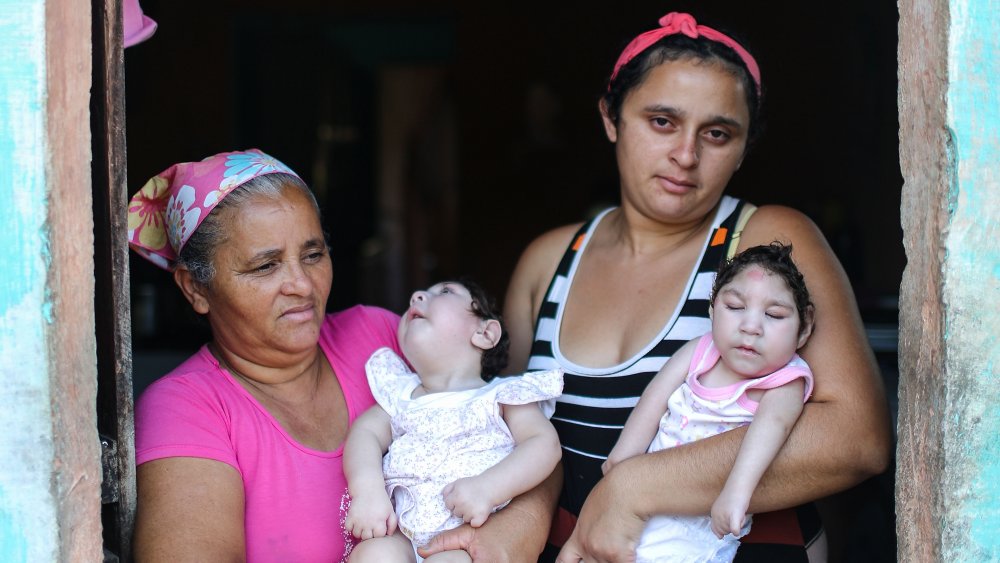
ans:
x=460 y=443
x=745 y=369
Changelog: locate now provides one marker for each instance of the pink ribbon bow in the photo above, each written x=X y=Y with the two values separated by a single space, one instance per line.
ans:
x=685 y=24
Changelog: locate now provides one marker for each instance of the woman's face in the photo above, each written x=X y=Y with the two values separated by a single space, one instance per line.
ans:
x=273 y=276
x=680 y=136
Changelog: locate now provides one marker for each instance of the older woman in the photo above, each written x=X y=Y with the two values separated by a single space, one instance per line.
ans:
x=239 y=448
x=609 y=301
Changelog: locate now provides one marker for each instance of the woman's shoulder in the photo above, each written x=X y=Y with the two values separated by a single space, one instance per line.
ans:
x=552 y=243
x=776 y=222
x=360 y=314
x=539 y=259
x=361 y=323
x=771 y=223
x=196 y=389
x=198 y=372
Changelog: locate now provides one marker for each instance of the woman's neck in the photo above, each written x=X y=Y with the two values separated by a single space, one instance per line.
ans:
x=298 y=378
x=645 y=237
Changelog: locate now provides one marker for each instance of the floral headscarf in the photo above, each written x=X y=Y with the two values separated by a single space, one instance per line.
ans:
x=164 y=214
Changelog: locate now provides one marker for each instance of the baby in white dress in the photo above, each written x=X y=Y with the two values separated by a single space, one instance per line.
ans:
x=458 y=443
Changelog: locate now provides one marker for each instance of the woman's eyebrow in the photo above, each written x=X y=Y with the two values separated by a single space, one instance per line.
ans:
x=264 y=255
x=314 y=243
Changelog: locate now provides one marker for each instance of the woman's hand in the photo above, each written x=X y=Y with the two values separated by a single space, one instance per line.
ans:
x=608 y=528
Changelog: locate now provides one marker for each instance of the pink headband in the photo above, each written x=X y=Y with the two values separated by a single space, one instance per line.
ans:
x=678 y=22
x=164 y=214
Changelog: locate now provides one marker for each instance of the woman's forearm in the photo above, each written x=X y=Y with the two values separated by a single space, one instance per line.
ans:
x=813 y=463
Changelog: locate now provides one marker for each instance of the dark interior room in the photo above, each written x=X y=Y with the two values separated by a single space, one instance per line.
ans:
x=441 y=137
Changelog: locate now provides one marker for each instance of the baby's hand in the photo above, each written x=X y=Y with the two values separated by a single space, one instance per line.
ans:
x=728 y=513
x=370 y=516
x=469 y=499
x=613 y=459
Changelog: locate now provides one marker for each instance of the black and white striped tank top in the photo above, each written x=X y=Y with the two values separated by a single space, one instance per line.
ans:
x=596 y=402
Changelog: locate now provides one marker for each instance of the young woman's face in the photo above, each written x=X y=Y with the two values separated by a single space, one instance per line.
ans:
x=755 y=324
x=439 y=320
x=680 y=136
x=273 y=276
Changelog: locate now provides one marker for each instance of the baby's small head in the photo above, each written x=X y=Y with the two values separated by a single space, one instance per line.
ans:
x=450 y=321
x=775 y=258
x=484 y=307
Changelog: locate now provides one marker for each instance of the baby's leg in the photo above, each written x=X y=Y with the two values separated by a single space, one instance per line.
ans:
x=396 y=547
x=453 y=556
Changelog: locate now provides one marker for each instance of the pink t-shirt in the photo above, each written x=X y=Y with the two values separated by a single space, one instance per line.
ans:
x=296 y=497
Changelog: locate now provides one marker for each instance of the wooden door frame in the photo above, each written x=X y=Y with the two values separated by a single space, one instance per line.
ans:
x=111 y=300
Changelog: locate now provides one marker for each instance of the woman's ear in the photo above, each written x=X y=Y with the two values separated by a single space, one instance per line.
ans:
x=805 y=331
x=610 y=128
x=488 y=334
x=193 y=291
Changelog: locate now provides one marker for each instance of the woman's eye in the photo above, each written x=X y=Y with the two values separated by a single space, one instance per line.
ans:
x=314 y=257
x=717 y=135
x=265 y=268
x=445 y=290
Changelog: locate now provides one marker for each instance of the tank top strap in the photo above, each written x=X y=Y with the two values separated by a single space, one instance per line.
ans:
x=550 y=305
x=727 y=231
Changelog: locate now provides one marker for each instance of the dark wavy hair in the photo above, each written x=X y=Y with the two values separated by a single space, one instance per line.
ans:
x=483 y=306
x=681 y=47
x=777 y=259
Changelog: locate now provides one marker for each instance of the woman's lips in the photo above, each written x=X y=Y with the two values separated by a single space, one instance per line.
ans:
x=302 y=312
x=678 y=185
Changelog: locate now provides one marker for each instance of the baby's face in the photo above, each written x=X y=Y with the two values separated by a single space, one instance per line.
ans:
x=438 y=319
x=755 y=324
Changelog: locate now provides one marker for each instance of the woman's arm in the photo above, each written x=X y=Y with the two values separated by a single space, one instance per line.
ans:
x=534 y=457
x=189 y=509
x=370 y=514
x=644 y=421
x=842 y=437
x=777 y=412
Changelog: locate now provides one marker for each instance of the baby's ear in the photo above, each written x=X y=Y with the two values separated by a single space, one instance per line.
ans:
x=805 y=331
x=488 y=334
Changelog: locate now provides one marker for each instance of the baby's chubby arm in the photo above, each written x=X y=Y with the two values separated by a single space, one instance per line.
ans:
x=777 y=412
x=643 y=422
x=370 y=514
x=535 y=455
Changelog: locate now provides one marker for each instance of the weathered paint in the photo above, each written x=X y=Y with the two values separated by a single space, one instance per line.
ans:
x=971 y=483
x=28 y=509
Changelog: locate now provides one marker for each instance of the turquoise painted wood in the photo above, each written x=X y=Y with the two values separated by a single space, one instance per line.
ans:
x=971 y=532
x=28 y=523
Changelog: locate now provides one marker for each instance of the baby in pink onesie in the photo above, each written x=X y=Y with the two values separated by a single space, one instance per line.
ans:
x=746 y=369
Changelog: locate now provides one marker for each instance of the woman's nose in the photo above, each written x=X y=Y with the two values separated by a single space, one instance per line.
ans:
x=297 y=282
x=418 y=296
x=685 y=153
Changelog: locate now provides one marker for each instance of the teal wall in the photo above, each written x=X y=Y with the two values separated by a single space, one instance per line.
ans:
x=28 y=522
x=971 y=532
